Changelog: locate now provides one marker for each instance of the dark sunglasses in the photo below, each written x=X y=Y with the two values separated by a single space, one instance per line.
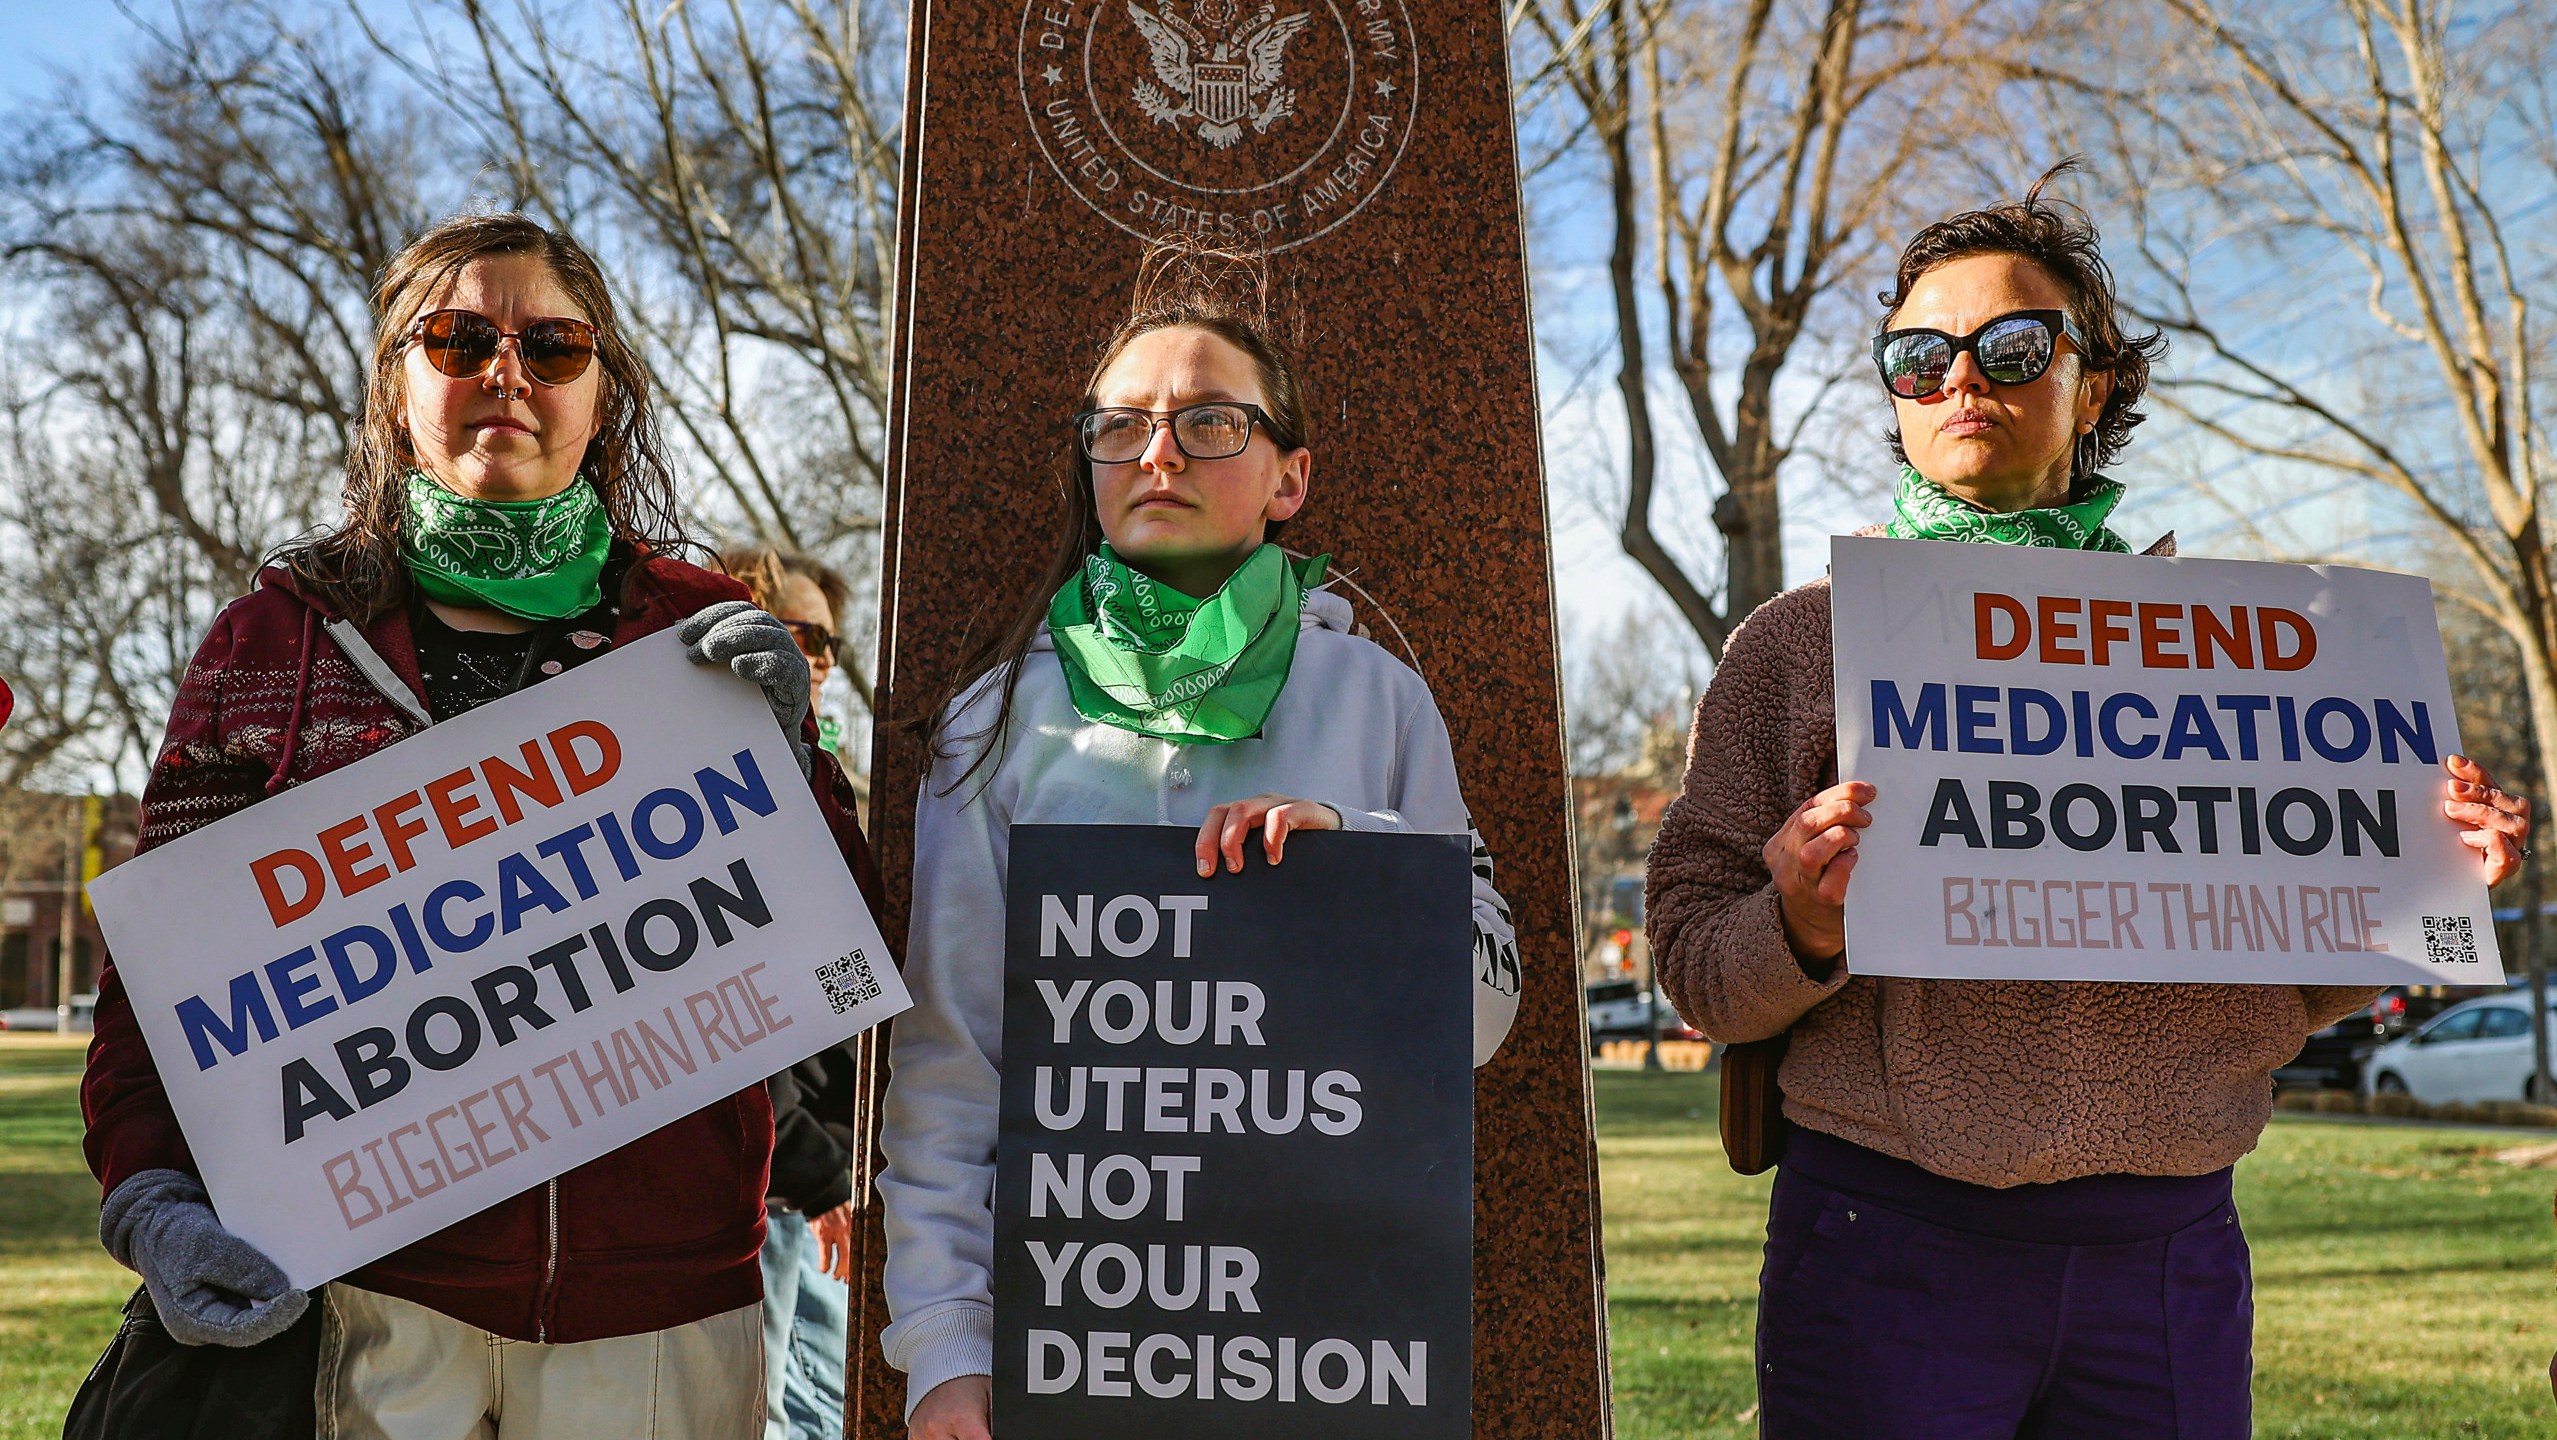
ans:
x=2014 y=349
x=464 y=343
x=815 y=640
x=1212 y=430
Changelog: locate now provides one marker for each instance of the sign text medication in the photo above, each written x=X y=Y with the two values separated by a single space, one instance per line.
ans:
x=2121 y=767
x=389 y=998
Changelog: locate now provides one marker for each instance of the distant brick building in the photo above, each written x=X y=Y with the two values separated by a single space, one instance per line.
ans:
x=38 y=833
x=1616 y=816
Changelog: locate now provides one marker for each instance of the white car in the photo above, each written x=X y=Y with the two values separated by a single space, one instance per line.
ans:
x=1616 y=1008
x=2476 y=1050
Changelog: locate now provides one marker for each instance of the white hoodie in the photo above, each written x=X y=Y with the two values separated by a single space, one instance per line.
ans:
x=1353 y=728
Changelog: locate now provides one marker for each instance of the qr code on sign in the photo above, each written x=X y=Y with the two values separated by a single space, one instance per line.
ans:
x=2450 y=940
x=848 y=981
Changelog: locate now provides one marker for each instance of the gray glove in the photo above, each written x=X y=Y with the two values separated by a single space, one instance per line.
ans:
x=211 y=1287
x=758 y=648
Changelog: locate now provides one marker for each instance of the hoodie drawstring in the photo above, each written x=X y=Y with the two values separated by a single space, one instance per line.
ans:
x=301 y=698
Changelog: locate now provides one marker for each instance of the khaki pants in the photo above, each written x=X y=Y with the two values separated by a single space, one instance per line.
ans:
x=393 y=1370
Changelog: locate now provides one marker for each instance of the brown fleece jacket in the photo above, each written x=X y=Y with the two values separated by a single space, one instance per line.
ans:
x=1994 y=1082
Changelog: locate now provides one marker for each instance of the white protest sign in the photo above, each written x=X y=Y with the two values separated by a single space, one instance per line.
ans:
x=399 y=994
x=2118 y=767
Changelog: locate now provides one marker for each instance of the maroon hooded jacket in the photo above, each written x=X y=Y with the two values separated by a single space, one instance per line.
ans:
x=661 y=1232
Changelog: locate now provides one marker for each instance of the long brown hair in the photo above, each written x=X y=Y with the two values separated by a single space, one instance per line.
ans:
x=356 y=565
x=1179 y=284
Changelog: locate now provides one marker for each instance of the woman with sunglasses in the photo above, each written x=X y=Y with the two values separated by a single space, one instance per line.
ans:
x=809 y=597
x=509 y=516
x=1176 y=667
x=2003 y=1207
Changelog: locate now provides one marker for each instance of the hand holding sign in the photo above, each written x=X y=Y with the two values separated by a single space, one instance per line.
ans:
x=1228 y=826
x=1811 y=856
x=760 y=649
x=2493 y=823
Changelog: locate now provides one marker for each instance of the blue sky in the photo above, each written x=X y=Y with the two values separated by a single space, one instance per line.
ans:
x=1595 y=582
x=38 y=37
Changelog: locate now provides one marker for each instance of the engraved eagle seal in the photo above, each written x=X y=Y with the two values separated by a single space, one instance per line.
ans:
x=1217 y=67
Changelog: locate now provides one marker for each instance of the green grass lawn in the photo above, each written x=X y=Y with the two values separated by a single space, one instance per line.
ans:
x=2403 y=1276
x=59 y=1292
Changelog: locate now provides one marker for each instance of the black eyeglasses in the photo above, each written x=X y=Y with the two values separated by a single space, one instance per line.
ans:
x=1212 y=430
x=2014 y=349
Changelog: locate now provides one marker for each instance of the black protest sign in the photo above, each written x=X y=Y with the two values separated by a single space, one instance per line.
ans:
x=1234 y=1189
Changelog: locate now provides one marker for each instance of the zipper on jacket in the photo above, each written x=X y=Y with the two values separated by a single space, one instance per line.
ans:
x=550 y=1262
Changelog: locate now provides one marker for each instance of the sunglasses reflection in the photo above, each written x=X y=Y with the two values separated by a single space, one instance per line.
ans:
x=554 y=350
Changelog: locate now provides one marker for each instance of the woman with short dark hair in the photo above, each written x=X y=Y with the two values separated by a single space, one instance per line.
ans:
x=2004 y=1207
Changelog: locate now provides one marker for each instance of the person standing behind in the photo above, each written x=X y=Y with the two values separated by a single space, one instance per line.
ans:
x=809 y=597
x=812 y=1201
x=508 y=516
x=2004 y=1207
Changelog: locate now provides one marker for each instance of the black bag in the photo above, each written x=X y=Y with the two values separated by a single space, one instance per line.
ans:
x=148 y=1386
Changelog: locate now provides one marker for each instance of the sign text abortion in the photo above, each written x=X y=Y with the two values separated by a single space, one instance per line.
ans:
x=1234 y=1188
x=389 y=998
x=2116 y=767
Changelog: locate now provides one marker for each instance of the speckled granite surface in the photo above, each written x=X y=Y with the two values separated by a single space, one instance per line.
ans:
x=1037 y=159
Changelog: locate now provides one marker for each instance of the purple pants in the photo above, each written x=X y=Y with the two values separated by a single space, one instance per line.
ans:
x=1897 y=1304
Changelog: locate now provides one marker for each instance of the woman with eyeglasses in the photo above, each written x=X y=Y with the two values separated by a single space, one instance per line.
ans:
x=2002 y=1208
x=508 y=516
x=1176 y=667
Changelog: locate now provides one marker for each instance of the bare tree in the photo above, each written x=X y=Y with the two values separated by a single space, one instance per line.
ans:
x=188 y=245
x=2378 y=159
x=1620 y=681
x=1629 y=689
x=1765 y=158
x=101 y=612
x=191 y=242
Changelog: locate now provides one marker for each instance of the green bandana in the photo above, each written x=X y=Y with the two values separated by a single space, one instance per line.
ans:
x=1142 y=656
x=538 y=559
x=1928 y=512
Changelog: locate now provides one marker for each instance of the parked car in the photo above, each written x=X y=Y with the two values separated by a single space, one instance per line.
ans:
x=41 y=1018
x=2475 y=1050
x=1616 y=1013
x=1616 y=1008
x=2333 y=1057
